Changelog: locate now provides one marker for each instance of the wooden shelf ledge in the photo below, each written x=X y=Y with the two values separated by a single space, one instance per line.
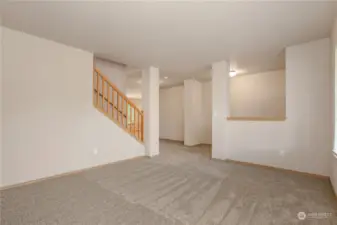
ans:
x=233 y=118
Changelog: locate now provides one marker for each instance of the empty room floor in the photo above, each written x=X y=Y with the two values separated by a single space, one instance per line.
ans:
x=181 y=186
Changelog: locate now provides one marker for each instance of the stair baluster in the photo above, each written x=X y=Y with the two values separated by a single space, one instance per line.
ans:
x=128 y=116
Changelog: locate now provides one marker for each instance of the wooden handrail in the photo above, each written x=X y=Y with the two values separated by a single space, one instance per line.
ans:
x=106 y=99
x=115 y=87
x=117 y=106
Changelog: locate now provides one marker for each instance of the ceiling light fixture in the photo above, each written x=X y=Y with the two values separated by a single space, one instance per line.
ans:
x=232 y=73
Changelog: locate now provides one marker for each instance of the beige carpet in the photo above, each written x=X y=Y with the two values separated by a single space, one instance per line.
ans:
x=181 y=186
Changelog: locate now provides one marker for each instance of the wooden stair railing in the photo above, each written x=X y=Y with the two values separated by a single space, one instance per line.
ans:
x=108 y=99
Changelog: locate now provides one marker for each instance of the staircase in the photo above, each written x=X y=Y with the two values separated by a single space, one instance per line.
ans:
x=109 y=100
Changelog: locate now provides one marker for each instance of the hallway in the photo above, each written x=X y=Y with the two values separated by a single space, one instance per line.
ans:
x=181 y=186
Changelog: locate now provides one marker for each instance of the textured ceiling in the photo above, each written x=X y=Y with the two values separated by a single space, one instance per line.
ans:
x=182 y=39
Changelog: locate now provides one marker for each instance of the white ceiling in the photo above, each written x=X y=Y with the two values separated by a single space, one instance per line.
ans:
x=182 y=39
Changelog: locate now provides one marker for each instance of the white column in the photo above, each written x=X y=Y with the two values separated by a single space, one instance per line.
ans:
x=220 y=108
x=333 y=173
x=150 y=104
x=1 y=75
x=334 y=86
x=192 y=112
x=334 y=97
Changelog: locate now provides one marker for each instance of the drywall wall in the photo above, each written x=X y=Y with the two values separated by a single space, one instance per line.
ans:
x=253 y=95
x=171 y=113
x=258 y=95
x=302 y=142
x=272 y=81
x=172 y=117
x=49 y=123
x=115 y=72
x=192 y=112
x=333 y=175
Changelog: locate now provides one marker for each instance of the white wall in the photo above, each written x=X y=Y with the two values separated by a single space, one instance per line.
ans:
x=303 y=142
x=116 y=73
x=272 y=81
x=268 y=80
x=258 y=95
x=50 y=125
x=333 y=175
x=171 y=113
